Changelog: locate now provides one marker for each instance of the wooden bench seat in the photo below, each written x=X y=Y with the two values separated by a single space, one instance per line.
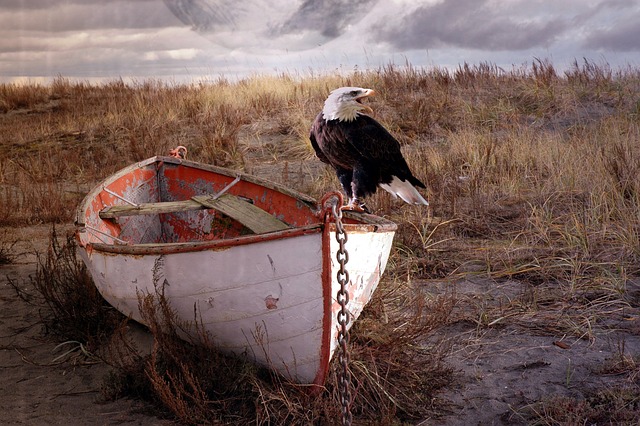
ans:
x=251 y=216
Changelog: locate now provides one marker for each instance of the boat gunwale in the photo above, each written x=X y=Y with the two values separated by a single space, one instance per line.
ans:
x=191 y=246
x=185 y=247
x=158 y=159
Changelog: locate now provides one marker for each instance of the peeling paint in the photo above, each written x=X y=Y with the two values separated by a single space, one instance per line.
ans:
x=271 y=302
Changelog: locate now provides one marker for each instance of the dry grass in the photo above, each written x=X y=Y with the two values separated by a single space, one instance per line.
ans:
x=71 y=306
x=196 y=384
x=618 y=405
x=7 y=253
x=532 y=176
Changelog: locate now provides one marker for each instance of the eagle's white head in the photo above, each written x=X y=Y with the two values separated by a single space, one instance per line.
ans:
x=344 y=104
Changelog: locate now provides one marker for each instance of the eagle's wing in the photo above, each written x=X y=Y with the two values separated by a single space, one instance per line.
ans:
x=374 y=143
x=380 y=149
x=314 y=142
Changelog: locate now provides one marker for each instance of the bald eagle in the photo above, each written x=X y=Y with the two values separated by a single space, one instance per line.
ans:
x=362 y=152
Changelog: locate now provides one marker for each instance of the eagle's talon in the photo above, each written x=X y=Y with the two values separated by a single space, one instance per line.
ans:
x=179 y=152
x=355 y=206
x=351 y=208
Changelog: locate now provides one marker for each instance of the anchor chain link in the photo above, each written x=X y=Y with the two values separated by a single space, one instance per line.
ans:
x=343 y=318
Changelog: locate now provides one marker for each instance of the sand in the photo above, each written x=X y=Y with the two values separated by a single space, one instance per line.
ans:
x=503 y=370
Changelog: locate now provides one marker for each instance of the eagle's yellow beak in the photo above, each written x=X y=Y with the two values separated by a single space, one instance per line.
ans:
x=367 y=93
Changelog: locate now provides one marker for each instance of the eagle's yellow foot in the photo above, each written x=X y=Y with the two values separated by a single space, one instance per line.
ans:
x=352 y=208
x=179 y=152
x=355 y=206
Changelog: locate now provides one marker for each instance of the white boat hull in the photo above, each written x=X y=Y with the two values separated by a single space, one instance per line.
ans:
x=271 y=297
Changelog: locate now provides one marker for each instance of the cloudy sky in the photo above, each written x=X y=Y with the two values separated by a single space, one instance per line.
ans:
x=195 y=40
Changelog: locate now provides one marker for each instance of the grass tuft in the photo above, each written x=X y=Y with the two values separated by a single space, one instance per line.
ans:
x=7 y=245
x=72 y=308
x=197 y=384
x=611 y=405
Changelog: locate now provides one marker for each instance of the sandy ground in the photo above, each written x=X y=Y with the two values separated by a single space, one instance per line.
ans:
x=504 y=369
x=500 y=368
x=36 y=387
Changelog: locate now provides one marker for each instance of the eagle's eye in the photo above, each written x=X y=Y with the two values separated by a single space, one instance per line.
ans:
x=354 y=92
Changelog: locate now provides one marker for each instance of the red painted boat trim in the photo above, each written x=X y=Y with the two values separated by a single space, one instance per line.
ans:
x=166 y=248
x=325 y=346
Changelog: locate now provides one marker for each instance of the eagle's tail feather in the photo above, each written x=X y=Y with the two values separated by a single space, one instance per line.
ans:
x=405 y=190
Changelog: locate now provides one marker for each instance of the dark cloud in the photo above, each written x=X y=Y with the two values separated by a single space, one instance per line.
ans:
x=205 y=15
x=59 y=16
x=475 y=24
x=255 y=25
x=52 y=4
x=30 y=4
x=328 y=17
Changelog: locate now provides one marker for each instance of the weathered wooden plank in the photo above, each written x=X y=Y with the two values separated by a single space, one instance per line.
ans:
x=113 y=212
x=253 y=217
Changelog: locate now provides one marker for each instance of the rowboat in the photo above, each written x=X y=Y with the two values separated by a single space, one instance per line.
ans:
x=252 y=261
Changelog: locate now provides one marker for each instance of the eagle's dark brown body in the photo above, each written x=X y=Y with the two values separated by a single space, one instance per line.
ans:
x=363 y=153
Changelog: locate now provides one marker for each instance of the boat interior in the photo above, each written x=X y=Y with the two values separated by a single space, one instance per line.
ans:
x=163 y=202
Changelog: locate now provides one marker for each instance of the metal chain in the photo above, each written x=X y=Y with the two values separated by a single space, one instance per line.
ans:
x=343 y=317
